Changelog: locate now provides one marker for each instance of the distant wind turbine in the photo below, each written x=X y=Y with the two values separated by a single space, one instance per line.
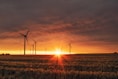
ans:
x=25 y=39
x=32 y=48
x=70 y=46
x=35 y=43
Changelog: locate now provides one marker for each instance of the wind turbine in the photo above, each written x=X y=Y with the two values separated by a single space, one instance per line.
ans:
x=32 y=48
x=35 y=43
x=25 y=39
x=70 y=46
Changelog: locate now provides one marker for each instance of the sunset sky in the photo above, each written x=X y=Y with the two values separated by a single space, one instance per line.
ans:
x=91 y=26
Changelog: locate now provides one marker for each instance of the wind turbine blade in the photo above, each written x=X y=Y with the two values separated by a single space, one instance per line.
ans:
x=27 y=32
x=21 y=34
x=26 y=38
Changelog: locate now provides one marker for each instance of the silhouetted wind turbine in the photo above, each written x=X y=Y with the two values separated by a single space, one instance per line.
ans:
x=25 y=39
x=35 y=43
x=32 y=48
x=70 y=46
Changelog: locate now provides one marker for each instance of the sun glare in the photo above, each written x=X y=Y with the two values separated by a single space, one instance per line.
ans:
x=57 y=52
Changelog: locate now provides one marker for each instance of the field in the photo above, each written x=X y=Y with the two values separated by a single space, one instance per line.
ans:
x=93 y=66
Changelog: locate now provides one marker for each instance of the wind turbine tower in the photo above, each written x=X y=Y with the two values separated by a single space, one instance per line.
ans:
x=35 y=43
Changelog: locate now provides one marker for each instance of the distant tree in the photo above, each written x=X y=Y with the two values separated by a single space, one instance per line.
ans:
x=7 y=54
x=115 y=52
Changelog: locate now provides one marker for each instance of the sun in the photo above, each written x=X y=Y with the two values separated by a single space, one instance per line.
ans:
x=58 y=52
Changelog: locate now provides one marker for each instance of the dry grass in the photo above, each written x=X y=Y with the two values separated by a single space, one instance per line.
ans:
x=73 y=67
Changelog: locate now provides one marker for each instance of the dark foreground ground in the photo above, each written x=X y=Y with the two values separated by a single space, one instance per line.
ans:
x=102 y=66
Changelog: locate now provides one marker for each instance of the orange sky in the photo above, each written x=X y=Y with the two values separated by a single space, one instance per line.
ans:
x=90 y=26
x=53 y=41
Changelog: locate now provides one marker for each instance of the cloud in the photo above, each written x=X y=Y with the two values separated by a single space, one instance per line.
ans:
x=92 y=20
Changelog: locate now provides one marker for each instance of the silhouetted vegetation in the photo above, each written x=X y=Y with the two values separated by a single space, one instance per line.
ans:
x=5 y=54
x=115 y=52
